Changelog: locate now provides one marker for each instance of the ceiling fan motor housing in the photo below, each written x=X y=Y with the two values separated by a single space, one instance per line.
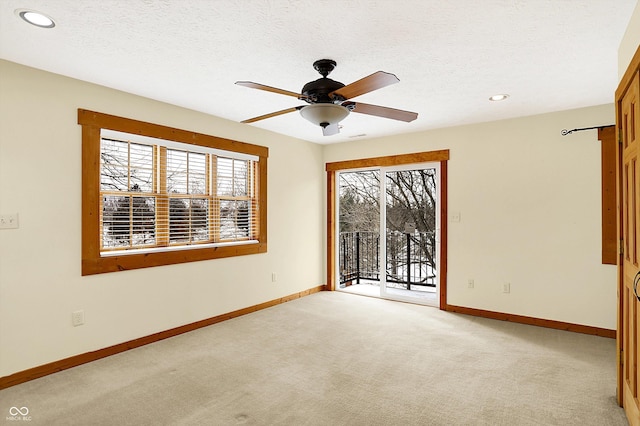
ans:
x=318 y=91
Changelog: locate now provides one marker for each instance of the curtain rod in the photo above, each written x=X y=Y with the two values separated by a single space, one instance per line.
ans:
x=565 y=132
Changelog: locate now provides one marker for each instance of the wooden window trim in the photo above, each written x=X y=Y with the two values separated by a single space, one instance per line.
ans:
x=92 y=263
x=390 y=160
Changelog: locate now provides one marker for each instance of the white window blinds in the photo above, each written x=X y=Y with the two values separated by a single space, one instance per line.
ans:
x=164 y=195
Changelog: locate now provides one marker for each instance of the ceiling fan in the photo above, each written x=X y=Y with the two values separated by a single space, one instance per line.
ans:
x=329 y=99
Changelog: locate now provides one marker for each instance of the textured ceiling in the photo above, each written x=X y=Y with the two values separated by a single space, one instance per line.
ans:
x=450 y=55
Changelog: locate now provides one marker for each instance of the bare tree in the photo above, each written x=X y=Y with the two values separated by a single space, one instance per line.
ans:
x=411 y=198
x=359 y=201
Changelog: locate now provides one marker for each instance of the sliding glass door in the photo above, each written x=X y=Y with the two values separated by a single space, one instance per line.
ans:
x=389 y=252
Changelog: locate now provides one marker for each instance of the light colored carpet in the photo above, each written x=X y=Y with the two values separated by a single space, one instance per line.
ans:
x=338 y=359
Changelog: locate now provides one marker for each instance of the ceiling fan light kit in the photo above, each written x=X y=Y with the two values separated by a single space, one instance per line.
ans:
x=324 y=115
x=328 y=99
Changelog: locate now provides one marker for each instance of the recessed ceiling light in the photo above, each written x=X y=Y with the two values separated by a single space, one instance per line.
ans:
x=501 y=97
x=38 y=19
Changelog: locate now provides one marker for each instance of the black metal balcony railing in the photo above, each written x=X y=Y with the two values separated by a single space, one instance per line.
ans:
x=410 y=258
x=359 y=256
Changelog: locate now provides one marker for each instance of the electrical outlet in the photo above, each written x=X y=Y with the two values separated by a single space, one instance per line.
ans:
x=470 y=284
x=9 y=221
x=506 y=288
x=77 y=318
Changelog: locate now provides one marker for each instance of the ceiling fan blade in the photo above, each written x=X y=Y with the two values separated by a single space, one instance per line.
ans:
x=272 y=114
x=259 y=86
x=380 y=111
x=375 y=81
x=331 y=130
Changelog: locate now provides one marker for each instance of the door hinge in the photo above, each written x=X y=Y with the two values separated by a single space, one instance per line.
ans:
x=621 y=357
x=621 y=247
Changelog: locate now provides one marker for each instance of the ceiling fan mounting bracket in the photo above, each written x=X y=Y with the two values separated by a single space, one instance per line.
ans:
x=324 y=66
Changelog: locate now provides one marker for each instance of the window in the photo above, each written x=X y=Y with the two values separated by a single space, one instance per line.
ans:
x=154 y=195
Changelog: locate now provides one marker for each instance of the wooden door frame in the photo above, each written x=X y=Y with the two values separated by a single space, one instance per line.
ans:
x=441 y=156
x=625 y=82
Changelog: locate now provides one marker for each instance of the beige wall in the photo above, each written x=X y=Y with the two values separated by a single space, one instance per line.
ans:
x=40 y=179
x=529 y=201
